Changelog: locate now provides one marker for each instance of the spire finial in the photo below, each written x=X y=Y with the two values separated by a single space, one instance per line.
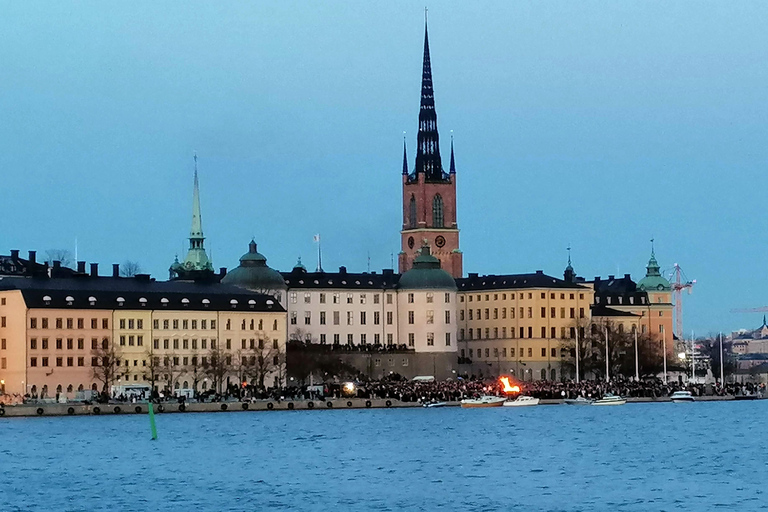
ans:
x=453 y=159
x=405 y=157
x=425 y=14
x=569 y=254
x=653 y=249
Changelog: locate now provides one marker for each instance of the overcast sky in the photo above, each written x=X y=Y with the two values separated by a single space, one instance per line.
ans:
x=595 y=124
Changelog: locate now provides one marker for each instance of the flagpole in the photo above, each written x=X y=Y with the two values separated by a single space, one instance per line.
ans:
x=607 y=370
x=664 y=337
x=637 y=363
x=577 y=352
x=722 y=376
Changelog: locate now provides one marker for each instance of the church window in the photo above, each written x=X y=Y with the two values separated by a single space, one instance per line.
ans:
x=412 y=213
x=437 y=211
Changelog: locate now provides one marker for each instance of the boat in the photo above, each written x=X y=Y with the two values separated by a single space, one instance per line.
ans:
x=609 y=399
x=483 y=401
x=434 y=404
x=522 y=401
x=580 y=400
x=682 y=396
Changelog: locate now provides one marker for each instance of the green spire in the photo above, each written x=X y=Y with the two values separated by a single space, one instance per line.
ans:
x=196 y=259
x=653 y=280
x=653 y=266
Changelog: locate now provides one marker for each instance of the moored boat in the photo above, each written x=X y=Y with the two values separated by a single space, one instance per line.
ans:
x=434 y=404
x=580 y=400
x=483 y=401
x=609 y=399
x=522 y=401
x=682 y=396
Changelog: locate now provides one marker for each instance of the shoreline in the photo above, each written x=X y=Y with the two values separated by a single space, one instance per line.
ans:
x=70 y=409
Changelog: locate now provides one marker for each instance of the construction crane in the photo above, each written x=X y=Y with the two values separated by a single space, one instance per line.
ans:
x=763 y=309
x=679 y=283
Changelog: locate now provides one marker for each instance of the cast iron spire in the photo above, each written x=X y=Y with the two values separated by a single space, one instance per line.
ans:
x=428 y=150
x=405 y=158
x=196 y=232
x=453 y=160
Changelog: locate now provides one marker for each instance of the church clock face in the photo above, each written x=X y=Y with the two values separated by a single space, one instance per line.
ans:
x=410 y=242
x=440 y=241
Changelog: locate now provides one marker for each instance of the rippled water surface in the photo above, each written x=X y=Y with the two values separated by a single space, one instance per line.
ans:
x=701 y=456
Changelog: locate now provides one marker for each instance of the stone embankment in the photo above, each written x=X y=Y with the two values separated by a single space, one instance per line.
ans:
x=72 y=409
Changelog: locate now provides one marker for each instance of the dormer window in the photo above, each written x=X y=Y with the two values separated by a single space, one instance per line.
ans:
x=270 y=302
x=233 y=303
x=185 y=301
x=92 y=300
x=70 y=300
x=47 y=300
x=164 y=302
x=252 y=303
x=120 y=301
x=206 y=302
x=143 y=302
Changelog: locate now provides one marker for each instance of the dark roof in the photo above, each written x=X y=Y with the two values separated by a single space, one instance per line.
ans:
x=300 y=278
x=171 y=295
x=14 y=266
x=513 y=281
x=603 y=310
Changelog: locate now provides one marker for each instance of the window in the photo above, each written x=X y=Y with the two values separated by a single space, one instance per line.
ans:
x=122 y=341
x=335 y=318
x=2 y=301
x=487 y=314
x=70 y=343
x=293 y=297
x=430 y=339
x=447 y=298
x=105 y=323
x=430 y=316
x=495 y=332
x=487 y=333
x=376 y=316
x=335 y=339
x=33 y=361
x=447 y=339
x=33 y=323
x=45 y=323
x=363 y=339
x=175 y=324
x=410 y=298
x=553 y=352
x=349 y=298
x=307 y=318
x=487 y=352
x=553 y=333
x=573 y=312
x=543 y=352
x=447 y=317
x=45 y=361
x=203 y=324
x=411 y=339
x=185 y=324
x=530 y=352
x=543 y=312
x=530 y=332
x=362 y=318
x=322 y=318
x=307 y=298
x=322 y=339
x=437 y=211
x=131 y=341
x=70 y=323
x=389 y=298
x=412 y=212
x=80 y=361
x=530 y=312
x=581 y=312
x=469 y=311
x=504 y=352
x=58 y=323
x=70 y=361
x=293 y=317
x=389 y=317
x=543 y=332
x=362 y=298
x=59 y=343
x=33 y=343
x=176 y=344
x=166 y=344
x=390 y=338
x=503 y=332
x=376 y=298
x=410 y=317
x=430 y=297
x=350 y=339
x=349 y=318
x=336 y=299
x=512 y=352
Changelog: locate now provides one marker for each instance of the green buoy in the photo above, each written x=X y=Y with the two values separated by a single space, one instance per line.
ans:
x=152 y=426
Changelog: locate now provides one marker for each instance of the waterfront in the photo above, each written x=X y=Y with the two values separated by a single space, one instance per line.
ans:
x=637 y=457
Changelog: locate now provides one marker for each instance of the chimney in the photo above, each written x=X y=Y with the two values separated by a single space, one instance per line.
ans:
x=223 y=271
x=472 y=275
x=611 y=278
x=14 y=254
x=142 y=278
x=56 y=265
x=539 y=272
x=387 y=271
x=115 y=270
x=626 y=277
x=81 y=267
x=33 y=256
x=94 y=270
x=342 y=270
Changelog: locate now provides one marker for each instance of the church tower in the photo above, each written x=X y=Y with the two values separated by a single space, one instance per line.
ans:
x=429 y=193
x=196 y=265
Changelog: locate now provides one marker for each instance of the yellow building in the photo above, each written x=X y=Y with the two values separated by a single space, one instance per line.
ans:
x=61 y=335
x=514 y=324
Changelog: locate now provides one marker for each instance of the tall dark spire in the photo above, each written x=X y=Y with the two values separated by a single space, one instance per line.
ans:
x=453 y=160
x=428 y=150
x=405 y=158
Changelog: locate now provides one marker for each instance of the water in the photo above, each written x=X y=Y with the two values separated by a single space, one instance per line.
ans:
x=699 y=456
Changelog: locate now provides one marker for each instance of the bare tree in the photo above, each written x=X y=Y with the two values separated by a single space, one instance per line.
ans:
x=62 y=255
x=108 y=358
x=154 y=368
x=173 y=370
x=217 y=366
x=130 y=268
x=196 y=370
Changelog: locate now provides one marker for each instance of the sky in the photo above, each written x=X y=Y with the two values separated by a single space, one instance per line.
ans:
x=596 y=124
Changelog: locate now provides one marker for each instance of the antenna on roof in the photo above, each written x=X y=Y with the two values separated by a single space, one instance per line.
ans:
x=369 y=261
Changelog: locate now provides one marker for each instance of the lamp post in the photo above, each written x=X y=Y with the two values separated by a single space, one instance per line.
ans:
x=664 y=337
x=637 y=362
x=722 y=376
x=607 y=370
x=577 y=352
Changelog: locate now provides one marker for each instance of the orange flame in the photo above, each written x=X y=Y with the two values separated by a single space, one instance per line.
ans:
x=509 y=388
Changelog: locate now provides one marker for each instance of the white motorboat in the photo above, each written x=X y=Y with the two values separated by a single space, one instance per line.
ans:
x=483 y=401
x=580 y=400
x=522 y=401
x=434 y=404
x=609 y=399
x=682 y=396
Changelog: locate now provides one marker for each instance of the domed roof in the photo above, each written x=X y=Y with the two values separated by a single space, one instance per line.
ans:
x=253 y=273
x=653 y=280
x=426 y=274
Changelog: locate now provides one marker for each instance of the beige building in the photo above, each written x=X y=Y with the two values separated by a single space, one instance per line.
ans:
x=65 y=334
x=513 y=324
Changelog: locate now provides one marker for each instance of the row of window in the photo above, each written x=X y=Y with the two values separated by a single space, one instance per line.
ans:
x=471 y=315
x=501 y=333
x=363 y=339
x=44 y=361
x=185 y=324
x=336 y=298
x=479 y=297
x=350 y=318
x=502 y=353
x=69 y=322
x=377 y=362
x=70 y=343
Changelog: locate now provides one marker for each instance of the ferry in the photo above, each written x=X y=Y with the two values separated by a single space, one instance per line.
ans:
x=578 y=401
x=483 y=401
x=522 y=401
x=609 y=399
x=682 y=396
